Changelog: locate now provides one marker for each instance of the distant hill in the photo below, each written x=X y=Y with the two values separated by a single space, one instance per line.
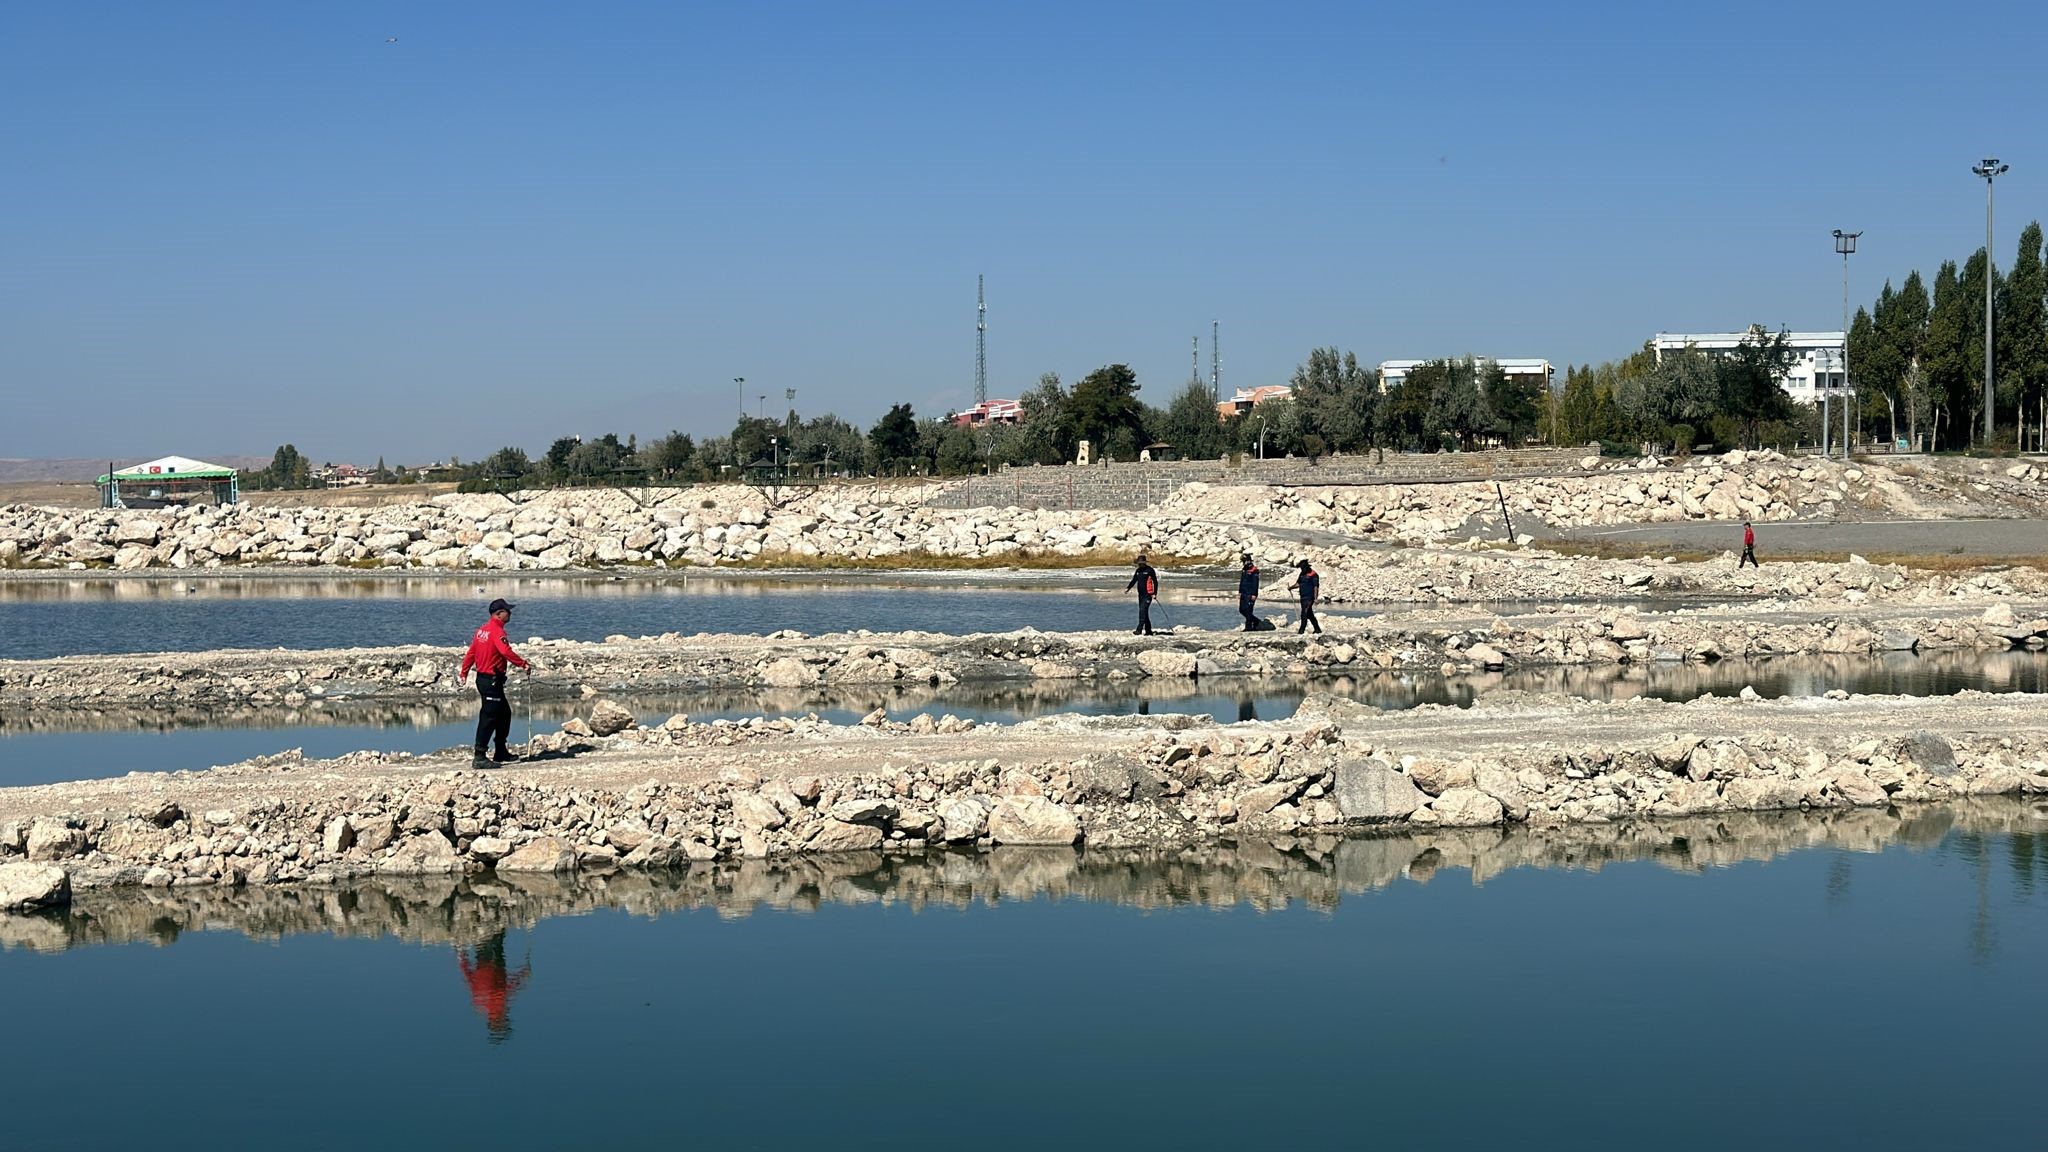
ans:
x=80 y=471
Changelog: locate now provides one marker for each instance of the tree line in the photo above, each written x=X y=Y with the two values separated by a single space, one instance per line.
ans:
x=1917 y=358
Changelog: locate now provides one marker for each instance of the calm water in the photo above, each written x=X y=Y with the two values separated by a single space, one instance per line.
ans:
x=1867 y=981
x=42 y=619
x=41 y=745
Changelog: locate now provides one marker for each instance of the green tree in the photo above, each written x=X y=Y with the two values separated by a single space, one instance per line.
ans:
x=1516 y=404
x=1104 y=409
x=1339 y=399
x=2022 y=326
x=1751 y=375
x=672 y=457
x=894 y=436
x=1458 y=409
x=1946 y=361
x=1191 y=425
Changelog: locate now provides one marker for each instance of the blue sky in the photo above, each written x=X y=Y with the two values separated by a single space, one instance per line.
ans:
x=224 y=226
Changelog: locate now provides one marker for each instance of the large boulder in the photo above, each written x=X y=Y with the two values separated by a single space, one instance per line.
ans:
x=1371 y=791
x=421 y=854
x=609 y=719
x=963 y=820
x=1167 y=662
x=1467 y=807
x=54 y=840
x=789 y=672
x=1032 y=820
x=27 y=887
x=1926 y=751
x=546 y=854
x=839 y=836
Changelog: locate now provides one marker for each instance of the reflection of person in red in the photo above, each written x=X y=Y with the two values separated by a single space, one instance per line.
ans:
x=491 y=985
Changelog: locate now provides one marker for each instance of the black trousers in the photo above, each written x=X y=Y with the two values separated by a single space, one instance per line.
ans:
x=1245 y=604
x=494 y=713
x=1748 y=556
x=1145 y=615
x=1308 y=617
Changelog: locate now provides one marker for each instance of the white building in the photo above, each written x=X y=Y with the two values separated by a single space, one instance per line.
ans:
x=1820 y=362
x=1394 y=372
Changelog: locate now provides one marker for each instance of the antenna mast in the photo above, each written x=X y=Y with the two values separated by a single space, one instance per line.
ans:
x=980 y=342
x=1215 y=362
x=1195 y=354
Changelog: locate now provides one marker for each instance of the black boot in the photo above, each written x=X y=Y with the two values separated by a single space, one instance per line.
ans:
x=480 y=761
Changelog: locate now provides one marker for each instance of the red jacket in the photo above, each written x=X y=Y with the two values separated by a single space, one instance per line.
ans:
x=488 y=651
x=1748 y=536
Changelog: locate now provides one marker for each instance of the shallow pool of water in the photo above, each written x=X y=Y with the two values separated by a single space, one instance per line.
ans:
x=1861 y=981
x=42 y=745
x=44 y=619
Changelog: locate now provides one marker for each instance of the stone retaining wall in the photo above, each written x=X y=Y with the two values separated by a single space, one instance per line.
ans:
x=1130 y=486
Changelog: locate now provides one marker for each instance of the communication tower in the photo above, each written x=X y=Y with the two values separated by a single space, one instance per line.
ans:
x=980 y=342
x=1215 y=361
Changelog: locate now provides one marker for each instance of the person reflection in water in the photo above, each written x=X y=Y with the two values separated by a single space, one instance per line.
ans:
x=491 y=984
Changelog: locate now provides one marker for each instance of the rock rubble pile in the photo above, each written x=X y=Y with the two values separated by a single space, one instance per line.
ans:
x=1178 y=782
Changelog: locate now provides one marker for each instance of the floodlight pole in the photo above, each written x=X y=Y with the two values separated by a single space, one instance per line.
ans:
x=1845 y=243
x=1990 y=169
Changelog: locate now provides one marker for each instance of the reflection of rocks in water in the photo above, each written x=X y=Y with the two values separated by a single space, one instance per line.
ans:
x=1266 y=875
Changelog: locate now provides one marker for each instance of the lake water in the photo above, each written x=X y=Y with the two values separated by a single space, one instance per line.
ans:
x=42 y=745
x=43 y=619
x=1864 y=980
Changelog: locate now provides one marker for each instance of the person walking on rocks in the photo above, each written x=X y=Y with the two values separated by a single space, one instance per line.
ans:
x=488 y=654
x=1146 y=581
x=1308 y=584
x=1248 y=593
x=1748 y=545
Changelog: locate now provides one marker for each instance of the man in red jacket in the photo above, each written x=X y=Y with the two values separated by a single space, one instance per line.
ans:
x=488 y=654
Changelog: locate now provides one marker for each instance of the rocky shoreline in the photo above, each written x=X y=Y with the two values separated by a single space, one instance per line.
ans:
x=619 y=796
x=1269 y=874
x=1444 y=642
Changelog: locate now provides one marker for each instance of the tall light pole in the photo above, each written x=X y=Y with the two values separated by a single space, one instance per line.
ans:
x=741 y=383
x=789 y=394
x=761 y=406
x=1845 y=243
x=1990 y=169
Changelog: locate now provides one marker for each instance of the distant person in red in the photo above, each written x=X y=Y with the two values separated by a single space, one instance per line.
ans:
x=488 y=654
x=491 y=984
x=1748 y=545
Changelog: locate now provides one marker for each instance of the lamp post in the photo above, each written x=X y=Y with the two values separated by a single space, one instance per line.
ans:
x=1990 y=169
x=789 y=394
x=1845 y=243
x=741 y=383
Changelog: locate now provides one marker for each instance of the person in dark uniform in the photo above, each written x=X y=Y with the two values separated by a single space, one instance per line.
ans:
x=1248 y=593
x=1308 y=584
x=489 y=654
x=1146 y=581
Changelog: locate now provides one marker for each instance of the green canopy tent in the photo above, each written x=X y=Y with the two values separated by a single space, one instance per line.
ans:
x=170 y=480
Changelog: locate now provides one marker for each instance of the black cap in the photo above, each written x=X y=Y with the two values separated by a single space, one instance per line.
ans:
x=500 y=605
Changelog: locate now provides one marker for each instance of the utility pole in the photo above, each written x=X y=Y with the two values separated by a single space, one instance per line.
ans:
x=1195 y=359
x=1845 y=243
x=980 y=342
x=1990 y=169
